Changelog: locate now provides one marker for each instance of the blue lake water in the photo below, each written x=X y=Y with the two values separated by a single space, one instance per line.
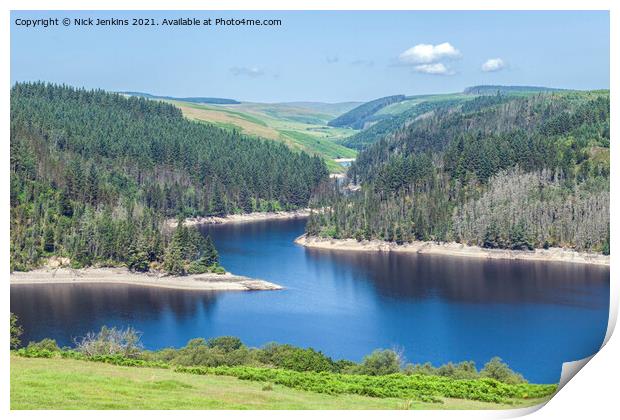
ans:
x=534 y=315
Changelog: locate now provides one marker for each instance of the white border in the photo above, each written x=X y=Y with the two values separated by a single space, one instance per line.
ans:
x=592 y=394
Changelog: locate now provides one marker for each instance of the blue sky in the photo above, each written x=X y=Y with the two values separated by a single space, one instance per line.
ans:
x=319 y=56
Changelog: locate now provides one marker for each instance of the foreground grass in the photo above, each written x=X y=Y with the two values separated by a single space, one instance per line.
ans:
x=76 y=384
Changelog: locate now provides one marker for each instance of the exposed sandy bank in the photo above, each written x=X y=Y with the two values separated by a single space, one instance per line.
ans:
x=243 y=218
x=455 y=249
x=206 y=281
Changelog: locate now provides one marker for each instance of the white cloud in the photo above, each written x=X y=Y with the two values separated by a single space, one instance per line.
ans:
x=435 y=68
x=247 y=71
x=429 y=53
x=493 y=64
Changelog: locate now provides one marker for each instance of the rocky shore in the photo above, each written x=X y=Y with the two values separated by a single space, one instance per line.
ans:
x=107 y=275
x=455 y=249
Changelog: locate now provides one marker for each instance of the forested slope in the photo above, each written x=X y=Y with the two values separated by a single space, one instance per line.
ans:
x=357 y=117
x=93 y=174
x=497 y=171
x=391 y=124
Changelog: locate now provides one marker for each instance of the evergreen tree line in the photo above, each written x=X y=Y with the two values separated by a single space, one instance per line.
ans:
x=100 y=146
x=538 y=121
x=517 y=173
x=94 y=175
x=45 y=223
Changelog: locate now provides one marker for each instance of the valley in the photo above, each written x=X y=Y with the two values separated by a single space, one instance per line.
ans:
x=307 y=209
x=301 y=126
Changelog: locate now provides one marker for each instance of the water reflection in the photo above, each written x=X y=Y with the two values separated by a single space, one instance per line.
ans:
x=65 y=311
x=464 y=280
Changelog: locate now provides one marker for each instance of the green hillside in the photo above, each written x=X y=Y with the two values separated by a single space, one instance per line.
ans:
x=497 y=171
x=38 y=384
x=359 y=116
x=94 y=175
x=389 y=120
x=385 y=117
x=332 y=109
x=412 y=101
x=78 y=384
x=299 y=128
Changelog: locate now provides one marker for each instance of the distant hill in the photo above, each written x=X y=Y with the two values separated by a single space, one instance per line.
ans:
x=357 y=117
x=390 y=124
x=390 y=119
x=493 y=89
x=198 y=99
x=333 y=109
x=297 y=127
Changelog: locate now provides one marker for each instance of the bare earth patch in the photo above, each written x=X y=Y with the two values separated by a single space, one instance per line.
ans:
x=243 y=218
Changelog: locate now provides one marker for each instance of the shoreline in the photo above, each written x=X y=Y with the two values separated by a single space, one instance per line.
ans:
x=454 y=249
x=242 y=218
x=108 y=275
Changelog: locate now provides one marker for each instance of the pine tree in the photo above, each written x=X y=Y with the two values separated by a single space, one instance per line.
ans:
x=491 y=237
x=245 y=201
x=174 y=258
x=137 y=258
x=218 y=205
x=518 y=238
x=210 y=255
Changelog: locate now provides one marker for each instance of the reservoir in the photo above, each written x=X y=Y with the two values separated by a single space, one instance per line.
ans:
x=534 y=315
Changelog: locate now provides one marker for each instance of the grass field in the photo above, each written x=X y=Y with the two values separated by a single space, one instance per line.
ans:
x=298 y=128
x=76 y=384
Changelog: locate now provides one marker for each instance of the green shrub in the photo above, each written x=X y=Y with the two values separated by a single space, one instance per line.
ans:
x=295 y=358
x=417 y=387
x=463 y=370
x=120 y=360
x=45 y=344
x=498 y=370
x=16 y=332
x=228 y=356
x=343 y=366
x=217 y=269
x=225 y=343
x=196 y=267
x=329 y=232
x=35 y=353
x=163 y=355
x=379 y=374
x=76 y=264
x=220 y=351
x=380 y=362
